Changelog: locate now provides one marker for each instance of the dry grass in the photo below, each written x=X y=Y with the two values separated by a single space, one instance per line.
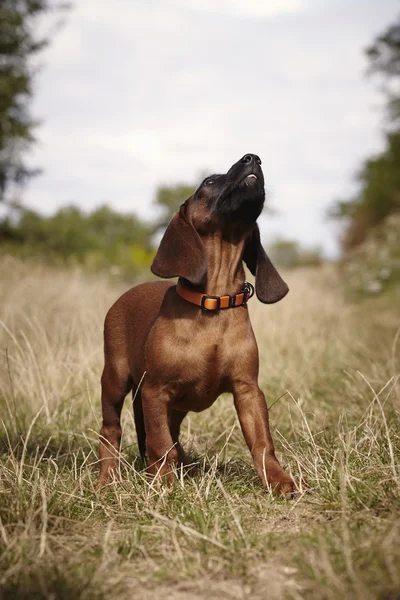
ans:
x=335 y=368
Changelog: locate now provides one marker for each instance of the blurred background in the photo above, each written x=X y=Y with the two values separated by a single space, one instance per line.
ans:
x=112 y=112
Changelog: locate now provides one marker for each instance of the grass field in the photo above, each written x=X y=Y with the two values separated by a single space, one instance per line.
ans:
x=330 y=371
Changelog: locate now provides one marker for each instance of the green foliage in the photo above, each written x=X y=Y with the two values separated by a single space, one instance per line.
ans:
x=289 y=253
x=100 y=239
x=379 y=196
x=374 y=266
x=384 y=56
x=168 y=199
x=379 y=177
x=18 y=44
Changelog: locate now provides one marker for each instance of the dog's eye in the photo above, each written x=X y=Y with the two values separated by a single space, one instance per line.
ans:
x=209 y=181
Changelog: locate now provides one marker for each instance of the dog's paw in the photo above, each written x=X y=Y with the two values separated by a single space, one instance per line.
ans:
x=107 y=479
x=289 y=488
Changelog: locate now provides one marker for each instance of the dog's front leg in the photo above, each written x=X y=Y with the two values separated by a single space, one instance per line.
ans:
x=161 y=450
x=253 y=416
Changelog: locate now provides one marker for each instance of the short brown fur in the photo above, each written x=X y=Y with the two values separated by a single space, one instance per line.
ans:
x=190 y=357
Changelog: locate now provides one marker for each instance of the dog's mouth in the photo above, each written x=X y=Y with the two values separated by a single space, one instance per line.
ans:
x=249 y=179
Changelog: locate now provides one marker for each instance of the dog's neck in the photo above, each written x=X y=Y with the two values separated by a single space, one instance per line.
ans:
x=225 y=272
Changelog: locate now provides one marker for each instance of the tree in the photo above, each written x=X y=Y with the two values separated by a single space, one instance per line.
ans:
x=19 y=43
x=379 y=176
x=379 y=194
x=101 y=239
x=72 y=232
x=289 y=254
x=168 y=199
x=384 y=56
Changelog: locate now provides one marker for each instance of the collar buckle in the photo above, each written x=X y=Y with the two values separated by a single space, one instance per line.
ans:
x=203 y=300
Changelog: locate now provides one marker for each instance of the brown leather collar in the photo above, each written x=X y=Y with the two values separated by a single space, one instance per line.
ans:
x=215 y=302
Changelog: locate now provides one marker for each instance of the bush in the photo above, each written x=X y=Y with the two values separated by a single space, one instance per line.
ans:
x=374 y=266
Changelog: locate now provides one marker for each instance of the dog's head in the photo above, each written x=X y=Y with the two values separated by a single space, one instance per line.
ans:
x=229 y=203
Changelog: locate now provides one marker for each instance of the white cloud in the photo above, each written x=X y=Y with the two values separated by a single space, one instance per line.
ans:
x=248 y=8
x=138 y=93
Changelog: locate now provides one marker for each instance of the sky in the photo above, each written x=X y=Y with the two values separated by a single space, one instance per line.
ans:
x=138 y=93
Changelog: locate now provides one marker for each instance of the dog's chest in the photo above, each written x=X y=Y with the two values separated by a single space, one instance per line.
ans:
x=199 y=360
x=202 y=375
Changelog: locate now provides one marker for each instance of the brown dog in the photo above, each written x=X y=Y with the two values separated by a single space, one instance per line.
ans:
x=194 y=340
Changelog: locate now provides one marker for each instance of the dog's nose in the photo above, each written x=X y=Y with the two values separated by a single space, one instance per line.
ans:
x=251 y=158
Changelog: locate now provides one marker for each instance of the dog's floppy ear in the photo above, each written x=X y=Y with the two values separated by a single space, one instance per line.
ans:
x=270 y=286
x=181 y=252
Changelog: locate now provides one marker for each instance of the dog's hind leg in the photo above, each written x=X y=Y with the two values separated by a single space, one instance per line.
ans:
x=139 y=422
x=176 y=419
x=115 y=384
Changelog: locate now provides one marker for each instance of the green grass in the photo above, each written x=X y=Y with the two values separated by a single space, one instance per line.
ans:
x=334 y=367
